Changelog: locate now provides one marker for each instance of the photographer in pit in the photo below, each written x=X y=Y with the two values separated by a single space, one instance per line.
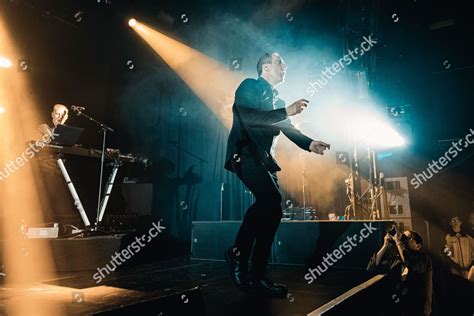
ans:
x=409 y=271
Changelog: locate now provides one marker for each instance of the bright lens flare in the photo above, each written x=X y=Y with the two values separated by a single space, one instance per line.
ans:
x=385 y=137
x=132 y=22
x=2 y=110
x=376 y=132
x=5 y=62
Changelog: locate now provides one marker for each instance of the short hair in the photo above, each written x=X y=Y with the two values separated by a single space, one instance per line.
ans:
x=458 y=217
x=416 y=237
x=59 y=105
x=265 y=59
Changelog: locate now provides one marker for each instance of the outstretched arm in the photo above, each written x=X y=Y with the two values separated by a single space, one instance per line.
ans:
x=294 y=134
x=301 y=140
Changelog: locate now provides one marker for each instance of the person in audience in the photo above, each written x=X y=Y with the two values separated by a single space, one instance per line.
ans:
x=471 y=224
x=460 y=250
x=409 y=271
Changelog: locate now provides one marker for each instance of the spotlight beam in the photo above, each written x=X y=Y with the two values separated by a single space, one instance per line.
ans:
x=5 y=62
x=209 y=79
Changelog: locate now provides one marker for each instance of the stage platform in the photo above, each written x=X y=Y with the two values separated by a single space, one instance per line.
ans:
x=202 y=287
x=302 y=243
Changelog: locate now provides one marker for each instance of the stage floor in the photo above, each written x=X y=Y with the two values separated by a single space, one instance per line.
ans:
x=78 y=294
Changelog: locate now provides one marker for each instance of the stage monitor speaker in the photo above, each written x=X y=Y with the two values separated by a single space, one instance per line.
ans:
x=309 y=242
x=297 y=242
x=294 y=241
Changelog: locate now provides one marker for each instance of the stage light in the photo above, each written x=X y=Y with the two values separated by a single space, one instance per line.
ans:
x=209 y=79
x=5 y=62
x=385 y=137
x=2 y=110
x=132 y=22
x=24 y=263
x=375 y=132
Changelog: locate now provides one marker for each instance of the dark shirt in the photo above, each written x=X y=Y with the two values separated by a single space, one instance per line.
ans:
x=470 y=231
x=420 y=278
x=417 y=288
x=258 y=118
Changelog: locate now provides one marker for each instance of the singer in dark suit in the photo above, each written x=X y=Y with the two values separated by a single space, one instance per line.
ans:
x=258 y=118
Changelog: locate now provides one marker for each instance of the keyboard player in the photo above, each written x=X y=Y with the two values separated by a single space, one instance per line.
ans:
x=59 y=115
x=57 y=203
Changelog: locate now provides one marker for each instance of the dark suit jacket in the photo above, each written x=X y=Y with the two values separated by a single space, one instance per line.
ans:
x=256 y=123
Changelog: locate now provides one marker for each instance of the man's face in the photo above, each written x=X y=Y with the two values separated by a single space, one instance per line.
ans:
x=411 y=243
x=59 y=115
x=456 y=223
x=276 y=70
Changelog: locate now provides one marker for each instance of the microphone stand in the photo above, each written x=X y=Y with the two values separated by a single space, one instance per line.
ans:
x=103 y=128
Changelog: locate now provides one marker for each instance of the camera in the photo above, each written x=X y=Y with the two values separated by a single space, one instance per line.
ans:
x=392 y=230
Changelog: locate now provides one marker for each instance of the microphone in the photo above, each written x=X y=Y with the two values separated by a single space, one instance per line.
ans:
x=77 y=108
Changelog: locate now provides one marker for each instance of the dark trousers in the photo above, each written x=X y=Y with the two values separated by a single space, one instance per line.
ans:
x=262 y=218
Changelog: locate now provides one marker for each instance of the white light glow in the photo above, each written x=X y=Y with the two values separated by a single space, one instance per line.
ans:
x=132 y=22
x=5 y=62
x=375 y=131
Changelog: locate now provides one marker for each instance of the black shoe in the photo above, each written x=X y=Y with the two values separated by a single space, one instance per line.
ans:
x=238 y=271
x=269 y=288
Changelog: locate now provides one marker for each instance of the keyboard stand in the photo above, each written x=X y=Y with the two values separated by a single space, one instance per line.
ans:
x=72 y=189
x=108 y=190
